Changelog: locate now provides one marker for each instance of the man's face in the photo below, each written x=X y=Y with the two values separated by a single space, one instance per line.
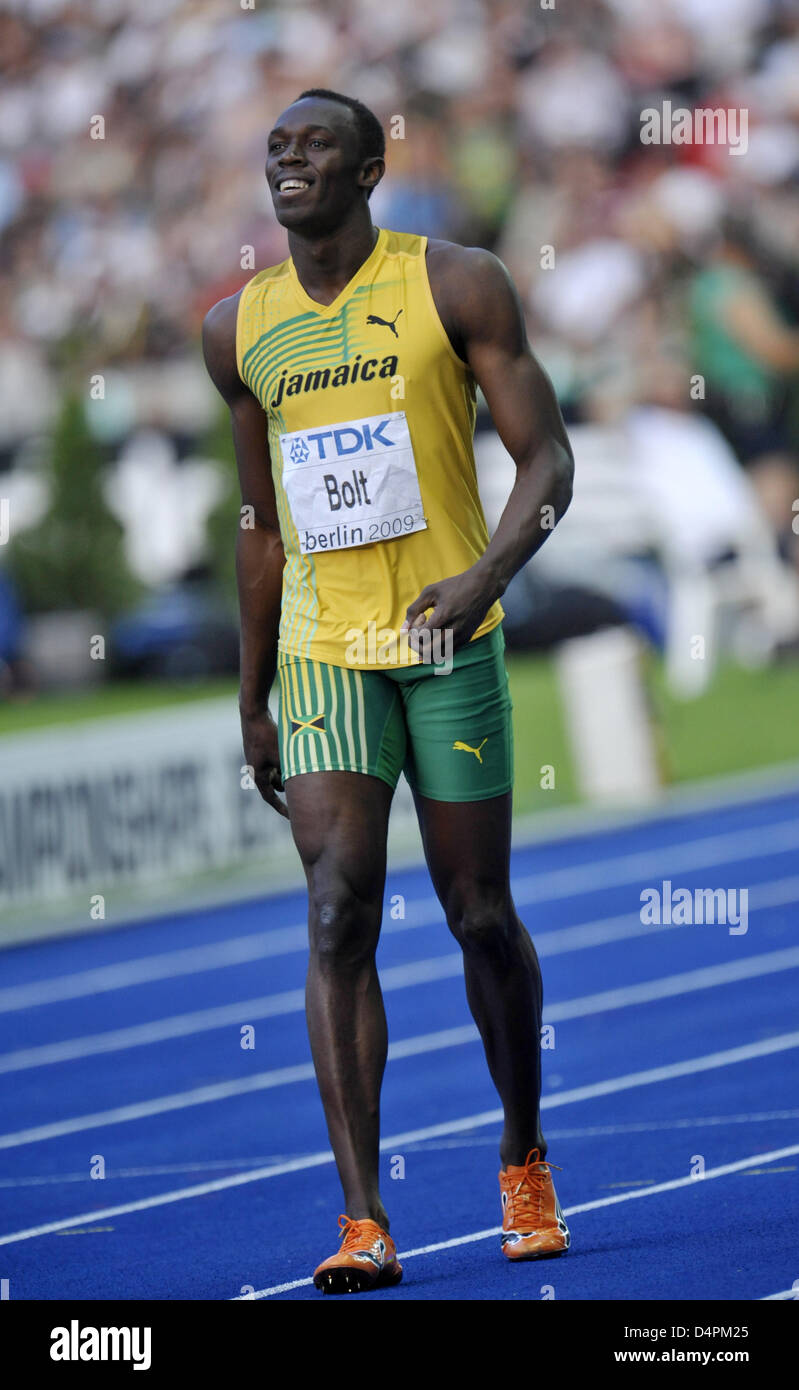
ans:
x=314 y=167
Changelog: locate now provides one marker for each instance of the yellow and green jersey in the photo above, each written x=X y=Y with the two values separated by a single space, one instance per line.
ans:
x=371 y=418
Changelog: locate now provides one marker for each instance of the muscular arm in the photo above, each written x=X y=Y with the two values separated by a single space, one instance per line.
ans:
x=259 y=549
x=480 y=309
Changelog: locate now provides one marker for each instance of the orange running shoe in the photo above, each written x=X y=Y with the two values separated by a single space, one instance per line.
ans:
x=367 y=1259
x=532 y=1221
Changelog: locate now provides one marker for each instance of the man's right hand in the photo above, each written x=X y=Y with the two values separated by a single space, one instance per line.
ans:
x=261 y=753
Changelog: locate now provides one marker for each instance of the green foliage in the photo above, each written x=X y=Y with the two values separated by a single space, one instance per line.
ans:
x=223 y=521
x=74 y=557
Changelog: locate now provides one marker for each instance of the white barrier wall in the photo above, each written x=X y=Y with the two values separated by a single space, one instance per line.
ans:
x=132 y=809
x=608 y=719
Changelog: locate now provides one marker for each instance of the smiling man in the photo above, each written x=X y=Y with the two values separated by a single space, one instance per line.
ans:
x=350 y=372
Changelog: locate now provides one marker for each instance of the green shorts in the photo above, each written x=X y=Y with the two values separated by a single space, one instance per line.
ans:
x=451 y=733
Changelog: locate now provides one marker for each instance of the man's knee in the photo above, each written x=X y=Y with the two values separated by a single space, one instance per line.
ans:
x=484 y=923
x=343 y=930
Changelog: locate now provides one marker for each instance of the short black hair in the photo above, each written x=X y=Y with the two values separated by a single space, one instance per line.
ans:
x=371 y=136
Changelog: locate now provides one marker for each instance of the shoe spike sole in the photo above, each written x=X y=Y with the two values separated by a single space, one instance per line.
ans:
x=342 y=1281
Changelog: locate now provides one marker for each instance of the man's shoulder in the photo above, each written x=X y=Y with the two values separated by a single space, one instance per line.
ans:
x=466 y=281
x=471 y=262
x=443 y=257
x=220 y=322
x=269 y=273
x=219 y=340
x=221 y=317
x=225 y=311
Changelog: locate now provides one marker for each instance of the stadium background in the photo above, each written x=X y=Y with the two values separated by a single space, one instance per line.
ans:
x=519 y=130
x=652 y=649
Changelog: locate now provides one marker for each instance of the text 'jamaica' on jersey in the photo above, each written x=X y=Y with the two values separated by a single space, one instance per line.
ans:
x=371 y=419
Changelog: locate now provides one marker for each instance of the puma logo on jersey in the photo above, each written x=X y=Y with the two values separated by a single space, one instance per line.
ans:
x=387 y=323
x=466 y=748
x=317 y=722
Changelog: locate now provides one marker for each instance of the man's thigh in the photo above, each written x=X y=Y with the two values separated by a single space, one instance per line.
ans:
x=467 y=848
x=339 y=821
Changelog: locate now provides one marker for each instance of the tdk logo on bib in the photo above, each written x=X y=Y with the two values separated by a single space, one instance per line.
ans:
x=352 y=483
x=336 y=443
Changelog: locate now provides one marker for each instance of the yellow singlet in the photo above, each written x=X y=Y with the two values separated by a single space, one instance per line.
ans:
x=371 y=417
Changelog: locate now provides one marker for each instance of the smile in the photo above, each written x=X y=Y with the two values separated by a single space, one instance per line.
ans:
x=292 y=185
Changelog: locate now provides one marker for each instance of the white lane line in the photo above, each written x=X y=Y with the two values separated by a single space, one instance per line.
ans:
x=690 y=1067
x=424 y=1043
x=276 y=1288
x=737 y=845
x=289 y=1001
x=168 y=965
x=576 y=1132
x=791 y=1295
x=208 y=1165
x=603 y=931
x=606 y=1002
x=403 y=1255
x=158 y=1170
x=754 y=1161
x=420 y=912
x=689 y=981
x=673 y=1185
x=394 y=977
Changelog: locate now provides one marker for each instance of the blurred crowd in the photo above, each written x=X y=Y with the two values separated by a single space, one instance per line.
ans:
x=653 y=275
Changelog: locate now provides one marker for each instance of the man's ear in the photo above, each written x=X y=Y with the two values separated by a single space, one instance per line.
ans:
x=371 y=174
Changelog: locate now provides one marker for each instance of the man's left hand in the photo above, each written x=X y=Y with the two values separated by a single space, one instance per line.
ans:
x=458 y=604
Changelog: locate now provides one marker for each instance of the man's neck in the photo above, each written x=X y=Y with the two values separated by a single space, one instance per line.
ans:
x=326 y=264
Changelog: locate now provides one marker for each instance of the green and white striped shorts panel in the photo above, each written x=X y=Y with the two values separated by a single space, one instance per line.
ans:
x=326 y=723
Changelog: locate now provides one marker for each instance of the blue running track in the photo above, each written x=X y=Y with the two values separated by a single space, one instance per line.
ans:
x=671 y=1093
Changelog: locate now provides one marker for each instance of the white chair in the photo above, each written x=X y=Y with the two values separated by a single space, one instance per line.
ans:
x=665 y=481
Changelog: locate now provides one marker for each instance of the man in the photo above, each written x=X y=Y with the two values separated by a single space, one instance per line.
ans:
x=350 y=372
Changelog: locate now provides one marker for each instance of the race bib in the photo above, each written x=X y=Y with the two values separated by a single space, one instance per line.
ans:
x=353 y=483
